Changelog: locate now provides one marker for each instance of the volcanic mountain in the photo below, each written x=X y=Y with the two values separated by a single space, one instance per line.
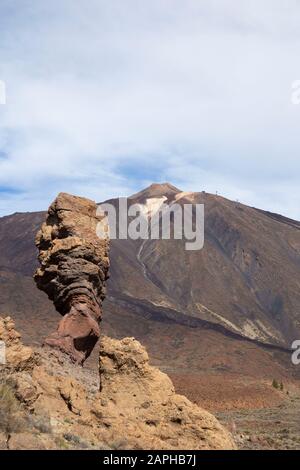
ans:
x=232 y=306
x=245 y=280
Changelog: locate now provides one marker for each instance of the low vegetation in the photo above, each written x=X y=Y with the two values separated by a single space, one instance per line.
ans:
x=11 y=414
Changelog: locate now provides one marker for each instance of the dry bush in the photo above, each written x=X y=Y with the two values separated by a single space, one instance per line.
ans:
x=11 y=415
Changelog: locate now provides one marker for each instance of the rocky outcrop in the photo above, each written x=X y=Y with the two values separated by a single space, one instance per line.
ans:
x=140 y=396
x=56 y=405
x=15 y=354
x=74 y=268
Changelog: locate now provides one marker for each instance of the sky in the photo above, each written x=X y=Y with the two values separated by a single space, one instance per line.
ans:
x=105 y=97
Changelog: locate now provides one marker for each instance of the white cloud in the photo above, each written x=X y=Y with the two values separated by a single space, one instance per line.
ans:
x=104 y=96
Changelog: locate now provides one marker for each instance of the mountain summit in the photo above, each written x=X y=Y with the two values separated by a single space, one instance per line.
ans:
x=156 y=190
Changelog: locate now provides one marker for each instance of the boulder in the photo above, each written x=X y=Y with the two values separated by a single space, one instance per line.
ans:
x=139 y=406
x=16 y=355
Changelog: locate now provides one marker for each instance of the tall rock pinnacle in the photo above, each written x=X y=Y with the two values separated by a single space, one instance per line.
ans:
x=74 y=269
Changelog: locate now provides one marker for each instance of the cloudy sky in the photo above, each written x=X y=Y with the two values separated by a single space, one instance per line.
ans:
x=105 y=97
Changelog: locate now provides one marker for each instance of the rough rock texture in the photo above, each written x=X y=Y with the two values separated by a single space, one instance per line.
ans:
x=57 y=405
x=17 y=355
x=74 y=268
x=156 y=417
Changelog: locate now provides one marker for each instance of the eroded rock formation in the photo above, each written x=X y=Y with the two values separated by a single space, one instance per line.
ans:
x=74 y=268
x=143 y=397
x=15 y=354
x=59 y=406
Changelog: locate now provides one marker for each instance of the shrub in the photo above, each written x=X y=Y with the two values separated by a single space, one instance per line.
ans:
x=11 y=416
x=72 y=438
x=275 y=384
x=41 y=423
x=281 y=386
x=75 y=440
x=61 y=442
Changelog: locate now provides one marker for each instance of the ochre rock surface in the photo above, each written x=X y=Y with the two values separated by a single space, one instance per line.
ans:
x=74 y=267
x=58 y=405
x=143 y=397
x=15 y=354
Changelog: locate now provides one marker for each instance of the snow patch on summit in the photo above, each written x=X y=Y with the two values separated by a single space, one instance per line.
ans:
x=152 y=206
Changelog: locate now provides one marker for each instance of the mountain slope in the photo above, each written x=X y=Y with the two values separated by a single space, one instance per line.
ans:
x=246 y=279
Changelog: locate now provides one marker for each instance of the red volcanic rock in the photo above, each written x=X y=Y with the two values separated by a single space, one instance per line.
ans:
x=74 y=268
